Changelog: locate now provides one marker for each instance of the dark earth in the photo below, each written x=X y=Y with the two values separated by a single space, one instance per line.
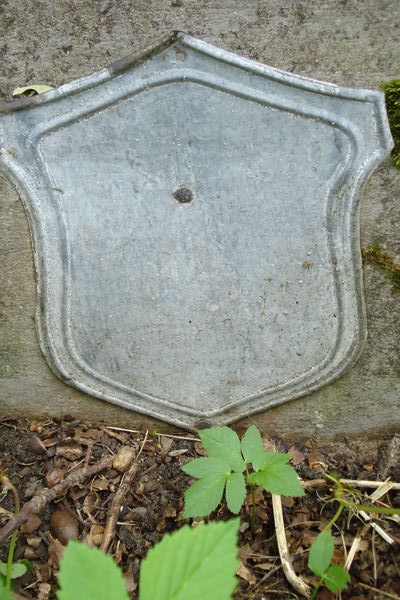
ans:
x=38 y=454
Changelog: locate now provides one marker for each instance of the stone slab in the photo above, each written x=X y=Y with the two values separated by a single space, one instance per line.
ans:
x=355 y=49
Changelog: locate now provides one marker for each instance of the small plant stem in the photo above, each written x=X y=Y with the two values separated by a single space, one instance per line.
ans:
x=253 y=512
x=316 y=590
x=17 y=505
x=10 y=559
x=335 y=516
x=253 y=508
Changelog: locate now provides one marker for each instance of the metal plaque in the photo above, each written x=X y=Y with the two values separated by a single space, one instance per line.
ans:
x=195 y=226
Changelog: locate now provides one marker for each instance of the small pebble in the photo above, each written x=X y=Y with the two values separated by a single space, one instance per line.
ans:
x=64 y=526
x=124 y=458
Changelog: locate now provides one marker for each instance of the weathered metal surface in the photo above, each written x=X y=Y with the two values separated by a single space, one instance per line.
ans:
x=195 y=226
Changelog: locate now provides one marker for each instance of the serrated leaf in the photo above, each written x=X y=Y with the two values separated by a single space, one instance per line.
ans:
x=17 y=570
x=204 y=495
x=223 y=442
x=252 y=444
x=321 y=553
x=4 y=593
x=201 y=467
x=336 y=578
x=235 y=492
x=192 y=564
x=269 y=458
x=37 y=89
x=88 y=573
x=276 y=476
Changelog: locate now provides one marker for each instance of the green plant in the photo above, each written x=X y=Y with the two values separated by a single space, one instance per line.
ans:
x=11 y=569
x=191 y=563
x=233 y=465
x=392 y=98
x=5 y=593
x=334 y=577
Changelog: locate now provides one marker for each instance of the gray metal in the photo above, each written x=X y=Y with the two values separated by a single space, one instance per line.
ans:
x=195 y=226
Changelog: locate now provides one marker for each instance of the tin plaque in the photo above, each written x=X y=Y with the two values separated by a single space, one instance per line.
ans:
x=195 y=227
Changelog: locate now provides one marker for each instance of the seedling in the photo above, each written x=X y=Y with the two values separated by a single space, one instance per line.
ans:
x=233 y=466
x=334 y=577
x=191 y=563
x=11 y=569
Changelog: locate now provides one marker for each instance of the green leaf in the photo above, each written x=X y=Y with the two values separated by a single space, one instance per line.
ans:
x=28 y=564
x=17 y=570
x=275 y=475
x=235 y=492
x=192 y=564
x=204 y=495
x=4 y=593
x=201 y=467
x=252 y=444
x=269 y=458
x=336 y=578
x=88 y=573
x=321 y=553
x=223 y=442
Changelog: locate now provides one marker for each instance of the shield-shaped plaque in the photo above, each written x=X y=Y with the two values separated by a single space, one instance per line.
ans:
x=195 y=225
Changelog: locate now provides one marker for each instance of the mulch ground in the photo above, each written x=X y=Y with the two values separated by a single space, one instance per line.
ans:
x=37 y=455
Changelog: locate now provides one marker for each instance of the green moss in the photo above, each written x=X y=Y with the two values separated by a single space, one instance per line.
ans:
x=392 y=98
x=376 y=256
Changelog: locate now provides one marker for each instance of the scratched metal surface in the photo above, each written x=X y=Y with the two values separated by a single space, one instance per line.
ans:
x=195 y=225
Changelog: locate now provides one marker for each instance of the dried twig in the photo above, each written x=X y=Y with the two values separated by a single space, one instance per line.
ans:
x=119 y=497
x=116 y=505
x=168 y=435
x=350 y=482
x=380 y=592
x=297 y=582
x=384 y=488
x=37 y=503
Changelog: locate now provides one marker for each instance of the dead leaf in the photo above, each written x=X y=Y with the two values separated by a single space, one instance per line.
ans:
x=36 y=445
x=297 y=455
x=178 y=452
x=69 y=450
x=315 y=459
x=44 y=590
x=90 y=504
x=130 y=583
x=199 y=449
x=121 y=437
x=100 y=484
x=268 y=443
x=166 y=444
x=56 y=551
x=244 y=573
x=96 y=534
x=32 y=90
x=265 y=566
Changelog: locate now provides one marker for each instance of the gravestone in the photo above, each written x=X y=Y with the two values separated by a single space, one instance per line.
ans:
x=195 y=223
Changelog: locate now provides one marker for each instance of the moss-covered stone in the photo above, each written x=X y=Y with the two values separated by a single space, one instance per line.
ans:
x=376 y=256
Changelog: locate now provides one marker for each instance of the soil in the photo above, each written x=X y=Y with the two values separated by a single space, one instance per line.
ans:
x=36 y=455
